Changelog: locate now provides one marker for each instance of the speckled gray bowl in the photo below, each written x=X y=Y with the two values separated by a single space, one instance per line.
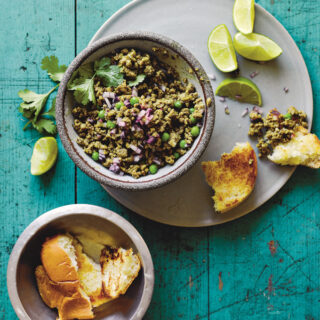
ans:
x=101 y=225
x=143 y=41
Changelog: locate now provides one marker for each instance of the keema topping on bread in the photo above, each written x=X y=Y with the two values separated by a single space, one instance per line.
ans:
x=74 y=283
x=232 y=177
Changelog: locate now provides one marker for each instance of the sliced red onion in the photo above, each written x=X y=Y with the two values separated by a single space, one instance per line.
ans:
x=120 y=122
x=135 y=149
x=122 y=135
x=134 y=92
x=107 y=100
x=149 y=115
x=116 y=98
x=156 y=161
x=127 y=103
x=121 y=173
x=151 y=140
x=137 y=157
x=199 y=124
x=100 y=120
x=141 y=115
x=99 y=136
x=114 y=168
x=212 y=77
x=109 y=95
x=162 y=87
x=238 y=96
x=102 y=156
x=254 y=74
x=286 y=90
x=257 y=110
x=90 y=120
x=113 y=131
x=116 y=160
x=245 y=112
x=222 y=99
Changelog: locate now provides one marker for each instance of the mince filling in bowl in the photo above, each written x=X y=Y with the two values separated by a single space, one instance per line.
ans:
x=134 y=113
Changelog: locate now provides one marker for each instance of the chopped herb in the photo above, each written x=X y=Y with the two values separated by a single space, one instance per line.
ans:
x=140 y=78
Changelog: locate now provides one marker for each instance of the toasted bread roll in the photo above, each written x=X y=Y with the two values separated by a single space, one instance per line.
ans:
x=69 y=305
x=76 y=307
x=302 y=149
x=59 y=259
x=232 y=177
x=119 y=268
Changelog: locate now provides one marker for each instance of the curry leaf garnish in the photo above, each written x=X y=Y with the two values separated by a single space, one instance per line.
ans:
x=140 y=78
x=51 y=65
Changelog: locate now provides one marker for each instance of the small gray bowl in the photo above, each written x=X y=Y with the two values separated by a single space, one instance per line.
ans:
x=183 y=61
x=79 y=219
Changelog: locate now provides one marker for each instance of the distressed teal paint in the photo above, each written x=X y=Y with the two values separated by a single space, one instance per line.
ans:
x=223 y=272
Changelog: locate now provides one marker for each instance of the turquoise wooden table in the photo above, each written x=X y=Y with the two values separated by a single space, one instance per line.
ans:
x=265 y=265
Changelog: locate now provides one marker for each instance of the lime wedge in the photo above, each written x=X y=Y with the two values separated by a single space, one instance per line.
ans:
x=256 y=47
x=44 y=155
x=221 y=49
x=243 y=15
x=240 y=89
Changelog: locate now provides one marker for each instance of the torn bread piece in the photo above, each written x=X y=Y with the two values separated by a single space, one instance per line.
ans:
x=119 y=268
x=232 y=177
x=69 y=305
x=302 y=149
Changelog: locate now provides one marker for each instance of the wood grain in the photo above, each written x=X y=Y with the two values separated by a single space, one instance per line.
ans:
x=262 y=266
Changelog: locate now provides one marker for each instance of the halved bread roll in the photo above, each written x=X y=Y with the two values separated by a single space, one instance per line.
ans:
x=232 y=177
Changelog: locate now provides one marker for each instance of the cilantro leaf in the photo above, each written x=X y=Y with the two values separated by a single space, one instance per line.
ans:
x=52 y=111
x=44 y=125
x=111 y=76
x=102 y=63
x=51 y=64
x=140 y=78
x=33 y=102
x=83 y=90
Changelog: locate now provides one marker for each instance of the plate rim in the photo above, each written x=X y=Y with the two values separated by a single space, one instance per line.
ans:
x=308 y=89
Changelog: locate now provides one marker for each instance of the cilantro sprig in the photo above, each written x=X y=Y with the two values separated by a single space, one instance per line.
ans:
x=82 y=82
x=34 y=104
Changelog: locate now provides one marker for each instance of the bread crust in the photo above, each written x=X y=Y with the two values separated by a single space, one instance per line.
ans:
x=57 y=262
x=233 y=177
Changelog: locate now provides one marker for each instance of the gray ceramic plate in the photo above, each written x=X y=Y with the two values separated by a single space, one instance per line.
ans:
x=187 y=202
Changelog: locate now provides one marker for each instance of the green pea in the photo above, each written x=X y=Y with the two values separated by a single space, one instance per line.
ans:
x=183 y=144
x=288 y=116
x=153 y=169
x=134 y=100
x=191 y=110
x=95 y=155
x=193 y=120
x=176 y=155
x=101 y=114
x=195 y=131
x=110 y=124
x=178 y=104
x=165 y=136
x=119 y=105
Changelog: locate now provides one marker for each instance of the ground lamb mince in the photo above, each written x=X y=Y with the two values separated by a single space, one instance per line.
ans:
x=136 y=142
x=276 y=128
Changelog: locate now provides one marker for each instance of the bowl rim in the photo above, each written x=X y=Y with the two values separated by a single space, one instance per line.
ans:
x=85 y=209
x=192 y=155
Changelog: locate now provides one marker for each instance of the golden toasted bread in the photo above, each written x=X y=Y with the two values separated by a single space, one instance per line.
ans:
x=302 y=149
x=232 y=177
x=119 y=268
x=70 y=305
